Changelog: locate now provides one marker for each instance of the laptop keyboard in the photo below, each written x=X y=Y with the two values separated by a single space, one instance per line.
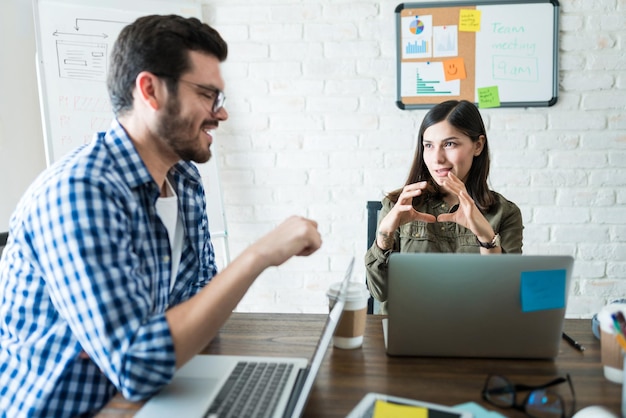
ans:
x=251 y=390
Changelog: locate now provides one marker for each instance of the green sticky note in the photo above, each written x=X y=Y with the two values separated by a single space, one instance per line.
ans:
x=488 y=97
x=543 y=289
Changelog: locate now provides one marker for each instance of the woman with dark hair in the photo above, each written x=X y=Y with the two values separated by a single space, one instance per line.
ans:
x=446 y=205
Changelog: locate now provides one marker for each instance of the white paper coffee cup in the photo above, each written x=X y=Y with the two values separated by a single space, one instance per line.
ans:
x=351 y=327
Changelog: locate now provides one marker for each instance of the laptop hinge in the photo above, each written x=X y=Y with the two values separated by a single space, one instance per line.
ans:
x=295 y=392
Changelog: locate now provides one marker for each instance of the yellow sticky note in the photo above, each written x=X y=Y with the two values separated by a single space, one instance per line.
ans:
x=469 y=20
x=488 y=97
x=383 y=409
x=454 y=69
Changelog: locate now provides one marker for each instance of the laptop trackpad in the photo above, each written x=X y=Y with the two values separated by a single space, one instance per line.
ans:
x=184 y=397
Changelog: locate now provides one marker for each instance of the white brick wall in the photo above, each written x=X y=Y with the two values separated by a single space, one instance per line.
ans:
x=314 y=131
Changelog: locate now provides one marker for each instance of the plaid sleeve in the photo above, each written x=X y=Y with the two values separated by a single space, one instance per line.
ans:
x=103 y=265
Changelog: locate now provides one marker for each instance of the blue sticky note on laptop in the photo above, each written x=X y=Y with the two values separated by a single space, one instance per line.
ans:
x=543 y=289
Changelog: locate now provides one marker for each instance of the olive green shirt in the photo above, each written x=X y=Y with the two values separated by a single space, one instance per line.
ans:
x=440 y=237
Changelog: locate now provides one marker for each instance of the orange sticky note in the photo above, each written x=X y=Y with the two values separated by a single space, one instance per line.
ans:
x=383 y=409
x=469 y=20
x=454 y=69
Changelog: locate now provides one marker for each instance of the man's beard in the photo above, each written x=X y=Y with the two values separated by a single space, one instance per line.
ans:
x=177 y=132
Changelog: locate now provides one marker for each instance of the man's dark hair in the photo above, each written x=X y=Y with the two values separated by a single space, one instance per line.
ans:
x=160 y=45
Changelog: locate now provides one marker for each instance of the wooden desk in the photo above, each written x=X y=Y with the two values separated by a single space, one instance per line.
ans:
x=347 y=375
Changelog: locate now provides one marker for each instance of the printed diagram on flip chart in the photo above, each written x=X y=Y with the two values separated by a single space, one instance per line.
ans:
x=82 y=52
x=73 y=69
x=80 y=60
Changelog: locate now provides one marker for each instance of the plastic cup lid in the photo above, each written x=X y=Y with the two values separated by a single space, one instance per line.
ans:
x=355 y=291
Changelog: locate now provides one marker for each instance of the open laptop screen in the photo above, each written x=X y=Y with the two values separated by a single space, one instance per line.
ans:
x=472 y=305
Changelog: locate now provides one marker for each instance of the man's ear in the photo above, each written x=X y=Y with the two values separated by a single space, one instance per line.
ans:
x=479 y=145
x=150 y=89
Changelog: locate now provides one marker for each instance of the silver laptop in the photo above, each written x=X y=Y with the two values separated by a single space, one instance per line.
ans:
x=472 y=305
x=239 y=386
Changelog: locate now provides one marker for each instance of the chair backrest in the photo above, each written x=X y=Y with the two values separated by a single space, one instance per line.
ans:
x=373 y=208
x=4 y=236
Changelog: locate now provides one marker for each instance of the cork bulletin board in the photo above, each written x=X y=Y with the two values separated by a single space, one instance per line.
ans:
x=499 y=53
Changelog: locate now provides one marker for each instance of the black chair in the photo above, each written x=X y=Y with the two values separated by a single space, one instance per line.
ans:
x=373 y=207
x=4 y=236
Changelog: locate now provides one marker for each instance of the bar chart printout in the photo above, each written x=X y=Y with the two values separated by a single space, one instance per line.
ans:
x=417 y=37
x=427 y=79
x=416 y=47
x=427 y=87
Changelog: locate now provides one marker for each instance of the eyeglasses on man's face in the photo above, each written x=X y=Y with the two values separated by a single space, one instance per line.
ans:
x=539 y=403
x=212 y=94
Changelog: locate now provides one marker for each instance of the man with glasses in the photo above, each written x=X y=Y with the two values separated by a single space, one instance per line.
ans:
x=108 y=282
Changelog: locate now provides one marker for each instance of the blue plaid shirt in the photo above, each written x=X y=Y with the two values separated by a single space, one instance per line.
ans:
x=87 y=268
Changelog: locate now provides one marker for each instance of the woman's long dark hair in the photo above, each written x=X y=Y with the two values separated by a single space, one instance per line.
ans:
x=465 y=117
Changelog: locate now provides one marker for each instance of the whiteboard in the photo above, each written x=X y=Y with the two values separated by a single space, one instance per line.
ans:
x=74 y=39
x=510 y=48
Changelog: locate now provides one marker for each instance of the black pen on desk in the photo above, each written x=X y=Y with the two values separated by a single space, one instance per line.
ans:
x=573 y=342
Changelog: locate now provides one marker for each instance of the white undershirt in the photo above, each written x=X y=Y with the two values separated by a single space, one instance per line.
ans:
x=167 y=209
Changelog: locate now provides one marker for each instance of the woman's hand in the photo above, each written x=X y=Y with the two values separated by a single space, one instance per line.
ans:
x=402 y=213
x=468 y=214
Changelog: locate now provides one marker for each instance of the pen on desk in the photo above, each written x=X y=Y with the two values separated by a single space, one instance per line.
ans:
x=573 y=342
